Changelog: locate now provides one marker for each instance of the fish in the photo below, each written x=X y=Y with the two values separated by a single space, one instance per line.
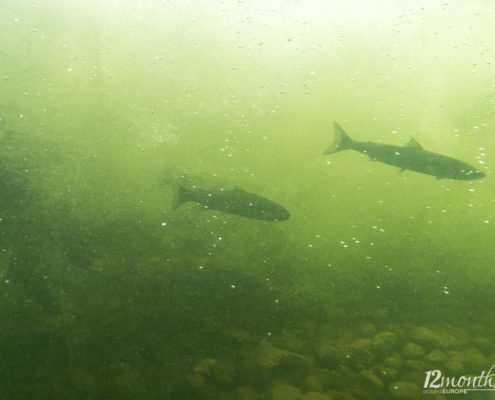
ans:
x=236 y=201
x=411 y=157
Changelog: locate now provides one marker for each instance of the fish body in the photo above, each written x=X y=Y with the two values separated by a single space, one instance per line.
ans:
x=236 y=201
x=409 y=157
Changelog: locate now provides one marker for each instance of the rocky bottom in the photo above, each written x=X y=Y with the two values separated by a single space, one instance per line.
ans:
x=319 y=362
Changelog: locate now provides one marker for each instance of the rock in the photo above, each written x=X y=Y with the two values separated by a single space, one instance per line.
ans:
x=369 y=378
x=413 y=351
x=438 y=357
x=367 y=329
x=316 y=396
x=329 y=356
x=361 y=394
x=474 y=361
x=415 y=366
x=286 y=392
x=483 y=343
x=360 y=351
x=197 y=381
x=313 y=383
x=321 y=380
x=220 y=372
x=387 y=374
x=223 y=373
x=455 y=364
x=394 y=361
x=293 y=343
x=334 y=315
x=405 y=390
x=204 y=366
x=383 y=344
x=341 y=379
x=340 y=395
x=293 y=368
x=432 y=339
x=253 y=373
x=267 y=355
x=236 y=336
x=246 y=392
x=257 y=369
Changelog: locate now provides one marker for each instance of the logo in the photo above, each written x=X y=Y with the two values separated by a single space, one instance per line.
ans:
x=436 y=382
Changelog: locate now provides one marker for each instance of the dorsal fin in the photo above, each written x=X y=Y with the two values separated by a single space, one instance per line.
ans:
x=414 y=143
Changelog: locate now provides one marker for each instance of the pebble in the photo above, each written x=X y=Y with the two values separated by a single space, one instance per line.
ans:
x=413 y=351
x=384 y=343
x=286 y=392
x=405 y=390
x=432 y=339
x=316 y=396
x=436 y=356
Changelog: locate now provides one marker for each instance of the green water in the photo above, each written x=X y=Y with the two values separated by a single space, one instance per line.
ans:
x=107 y=293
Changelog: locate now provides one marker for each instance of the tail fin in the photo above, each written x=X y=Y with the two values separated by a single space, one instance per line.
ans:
x=180 y=197
x=340 y=142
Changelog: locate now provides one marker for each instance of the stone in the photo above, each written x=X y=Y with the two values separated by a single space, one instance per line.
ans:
x=316 y=396
x=383 y=344
x=367 y=329
x=394 y=361
x=246 y=392
x=437 y=357
x=386 y=373
x=336 y=395
x=413 y=351
x=291 y=342
x=484 y=343
x=223 y=373
x=204 y=366
x=361 y=351
x=415 y=366
x=405 y=390
x=474 y=361
x=313 y=383
x=432 y=339
x=235 y=336
x=267 y=355
x=321 y=380
x=329 y=356
x=293 y=368
x=455 y=364
x=286 y=392
x=371 y=379
x=197 y=381
x=250 y=372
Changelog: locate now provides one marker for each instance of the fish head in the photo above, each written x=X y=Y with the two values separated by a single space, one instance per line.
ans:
x=283 y=215
x=278 y=213
x=473 y=174
x=470 y=174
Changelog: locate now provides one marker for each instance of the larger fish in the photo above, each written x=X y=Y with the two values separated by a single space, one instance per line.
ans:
x=411 y=156
x=236 y=201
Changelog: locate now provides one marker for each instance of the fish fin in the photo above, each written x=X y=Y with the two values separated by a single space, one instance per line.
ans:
x=413 y=143
x=179 y=197
x=341 y=140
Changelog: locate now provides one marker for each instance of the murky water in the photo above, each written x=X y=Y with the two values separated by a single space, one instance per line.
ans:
x=377 y=277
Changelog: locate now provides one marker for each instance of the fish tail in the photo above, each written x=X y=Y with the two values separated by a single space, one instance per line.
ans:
x=341 y=141
x=180 y=197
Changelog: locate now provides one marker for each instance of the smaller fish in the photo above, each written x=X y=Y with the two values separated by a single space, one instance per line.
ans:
x=411 y=156
x=236 y=201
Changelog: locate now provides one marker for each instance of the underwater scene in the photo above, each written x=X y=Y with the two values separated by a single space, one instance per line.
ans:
x=247 y=199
